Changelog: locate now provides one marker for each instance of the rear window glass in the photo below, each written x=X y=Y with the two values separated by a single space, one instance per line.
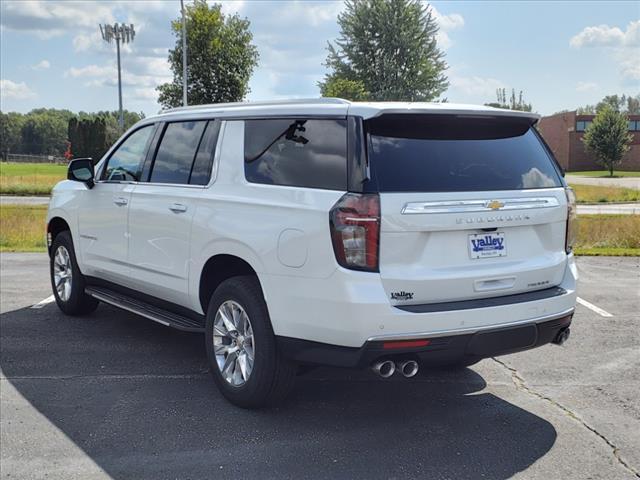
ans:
x=176 y=152
x=296 y=152
x=438 y=153
x=201 y=170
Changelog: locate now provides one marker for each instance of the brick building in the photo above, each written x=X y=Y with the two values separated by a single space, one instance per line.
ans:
x=563 y=132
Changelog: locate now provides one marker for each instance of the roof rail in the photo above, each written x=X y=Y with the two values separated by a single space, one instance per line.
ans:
x=295 y=101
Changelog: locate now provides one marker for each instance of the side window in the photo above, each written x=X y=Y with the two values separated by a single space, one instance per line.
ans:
x=176 y=152
x=202 y=165
x=296 y=152
x=124 y=163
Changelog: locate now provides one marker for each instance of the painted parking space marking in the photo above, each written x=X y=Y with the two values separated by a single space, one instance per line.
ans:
x=44 y=302
x=593 y=307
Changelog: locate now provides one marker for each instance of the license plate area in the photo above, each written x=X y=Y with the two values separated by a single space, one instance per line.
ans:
x=487 y=245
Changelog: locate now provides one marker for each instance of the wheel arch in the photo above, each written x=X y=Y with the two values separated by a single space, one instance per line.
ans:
x=55 y=225
x=216 y=270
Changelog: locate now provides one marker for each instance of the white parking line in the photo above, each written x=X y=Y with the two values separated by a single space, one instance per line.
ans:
x=593 y=307
x=44 y=302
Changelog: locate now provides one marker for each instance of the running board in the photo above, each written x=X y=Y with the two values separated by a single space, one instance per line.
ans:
x=145 y=309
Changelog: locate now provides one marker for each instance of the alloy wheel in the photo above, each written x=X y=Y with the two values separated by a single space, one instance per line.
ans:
x=233 y=343
x=62 y=273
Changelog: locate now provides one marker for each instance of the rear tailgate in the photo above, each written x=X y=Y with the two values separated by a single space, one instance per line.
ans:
x=452 y=247
x=471 y=207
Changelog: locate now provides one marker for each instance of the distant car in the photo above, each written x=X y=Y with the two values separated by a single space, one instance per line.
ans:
x=324 y=232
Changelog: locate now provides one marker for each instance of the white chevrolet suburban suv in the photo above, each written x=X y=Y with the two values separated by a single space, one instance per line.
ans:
x=324 y=232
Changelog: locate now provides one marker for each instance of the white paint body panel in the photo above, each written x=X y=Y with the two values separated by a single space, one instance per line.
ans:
x=428 y=254
x=283 y=233
x=159 y=240
x=103 y=235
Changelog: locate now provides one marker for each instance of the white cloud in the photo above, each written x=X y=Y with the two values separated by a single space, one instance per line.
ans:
x=449 y=22
x=86 y=41
x=48 y=19
x=144 y=73
x=476 y=86
x=42 y=65
x=622 y=45
x=232 y=7
x=446 y=23
x=606 y=36
x=15 y=91
x=88 y=71
x=630 y=67
x=586 y=86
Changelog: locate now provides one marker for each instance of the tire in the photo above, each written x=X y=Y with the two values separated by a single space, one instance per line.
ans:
x=268 y=378
x=71 y=298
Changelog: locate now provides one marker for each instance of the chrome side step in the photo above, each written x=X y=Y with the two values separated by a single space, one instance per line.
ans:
x=146 y=310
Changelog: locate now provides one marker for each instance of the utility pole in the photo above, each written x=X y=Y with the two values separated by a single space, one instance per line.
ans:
x=184 y=56
x=120 y=114
x=120 y=33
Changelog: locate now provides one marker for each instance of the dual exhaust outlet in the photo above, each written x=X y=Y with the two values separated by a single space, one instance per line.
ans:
x=386 y=368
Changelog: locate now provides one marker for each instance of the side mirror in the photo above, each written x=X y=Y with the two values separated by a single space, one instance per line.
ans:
x=81 y=170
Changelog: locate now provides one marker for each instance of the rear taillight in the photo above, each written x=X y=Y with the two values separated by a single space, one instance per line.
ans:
x=355 y=231
x=572 y=220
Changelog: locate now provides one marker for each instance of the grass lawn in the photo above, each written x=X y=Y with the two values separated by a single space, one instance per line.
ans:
x=600 y=194
x=604 y=173
x=30 y=178
x=22 y=229
x=608 y=235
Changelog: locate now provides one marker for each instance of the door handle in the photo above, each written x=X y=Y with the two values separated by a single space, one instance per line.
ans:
x=120 y=201
x=178 y=208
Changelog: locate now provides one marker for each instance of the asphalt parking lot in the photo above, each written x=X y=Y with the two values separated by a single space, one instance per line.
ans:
x=113 y=395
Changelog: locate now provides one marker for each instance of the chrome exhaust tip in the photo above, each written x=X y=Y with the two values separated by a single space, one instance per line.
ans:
x=408 y=368
x=384 y=368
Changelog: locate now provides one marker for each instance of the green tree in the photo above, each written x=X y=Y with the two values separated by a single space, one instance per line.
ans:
x=220 y=57
x=111 y=123
x=10 y=133
x=91 y=134
x=88 y=137
x=586 y=110
x=616 y=102
x=44 y=132
x=343 y=88
x=390 y=47
x=621 y=103
x=633 y=105
x=608 y=137
x=513 y=103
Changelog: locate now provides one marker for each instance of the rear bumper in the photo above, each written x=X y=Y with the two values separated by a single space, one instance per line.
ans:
x=352 y=309
x=441 y=350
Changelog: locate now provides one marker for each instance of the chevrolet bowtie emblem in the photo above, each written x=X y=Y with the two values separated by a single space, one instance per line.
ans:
x=494 y=205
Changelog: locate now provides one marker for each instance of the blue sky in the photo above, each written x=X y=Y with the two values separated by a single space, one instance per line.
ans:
x=562 y=54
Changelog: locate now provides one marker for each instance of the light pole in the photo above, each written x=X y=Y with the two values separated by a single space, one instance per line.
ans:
x=184 y=56
x=121 y=33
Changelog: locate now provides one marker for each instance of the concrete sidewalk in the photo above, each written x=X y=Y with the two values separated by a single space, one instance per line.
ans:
x=610 y=209
x=22 y=200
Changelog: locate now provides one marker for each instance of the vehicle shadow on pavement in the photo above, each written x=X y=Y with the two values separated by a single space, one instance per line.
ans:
x=137 y=399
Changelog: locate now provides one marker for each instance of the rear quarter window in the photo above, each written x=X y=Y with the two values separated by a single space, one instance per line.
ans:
x=438 y=153
x=176 y=152
x=296 y=152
